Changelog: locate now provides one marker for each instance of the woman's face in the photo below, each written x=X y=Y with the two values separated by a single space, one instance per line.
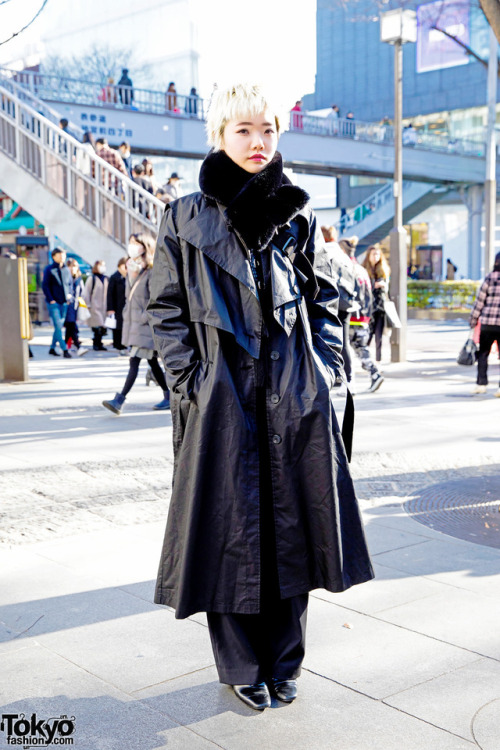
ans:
x=374 y=257
x=251 y=141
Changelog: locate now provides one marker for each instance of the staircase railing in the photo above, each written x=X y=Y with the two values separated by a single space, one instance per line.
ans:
x=101 y=194
x=369 y=206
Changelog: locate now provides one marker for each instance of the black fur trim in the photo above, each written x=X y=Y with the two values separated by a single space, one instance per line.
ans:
x=255 y=205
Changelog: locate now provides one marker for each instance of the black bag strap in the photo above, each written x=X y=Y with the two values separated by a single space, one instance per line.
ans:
x=348 y=425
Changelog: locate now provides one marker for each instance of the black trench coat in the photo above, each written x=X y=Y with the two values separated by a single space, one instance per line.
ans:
x=207 y=324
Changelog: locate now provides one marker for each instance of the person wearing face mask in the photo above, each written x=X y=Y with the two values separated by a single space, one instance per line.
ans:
x=136 y=332
x=70 y=324
x=95 y=294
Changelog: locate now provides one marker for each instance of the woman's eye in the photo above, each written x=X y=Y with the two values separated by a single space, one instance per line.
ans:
x=243 y=131
x=269 y=130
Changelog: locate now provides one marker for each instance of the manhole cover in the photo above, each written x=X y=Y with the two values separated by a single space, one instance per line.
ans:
x=464 y=508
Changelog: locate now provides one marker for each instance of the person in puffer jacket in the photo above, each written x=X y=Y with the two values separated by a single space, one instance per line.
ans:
x=486 y=310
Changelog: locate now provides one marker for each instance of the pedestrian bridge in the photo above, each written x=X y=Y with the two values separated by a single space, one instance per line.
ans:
x=159 y=123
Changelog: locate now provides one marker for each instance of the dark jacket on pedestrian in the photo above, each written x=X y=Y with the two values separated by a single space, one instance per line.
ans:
x=487 y=305
x=71 y=313
x=242 y=300
x=116 y=296
x=57 y=283
x=136 y=329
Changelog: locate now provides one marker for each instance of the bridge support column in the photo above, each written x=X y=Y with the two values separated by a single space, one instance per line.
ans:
x=474 y=203
x=14 y=319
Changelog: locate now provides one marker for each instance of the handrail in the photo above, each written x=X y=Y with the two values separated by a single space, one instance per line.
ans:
x=101 y=194
x=367 y=207
x=42 y=107
x=82 y=91
x=357 y=130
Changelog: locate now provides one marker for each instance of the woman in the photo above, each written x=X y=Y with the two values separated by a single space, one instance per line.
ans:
x=263 y=508
x=379 y=273
x=171 y=98
x=70 y=324
x=486 y=310
x=136 y=332
x=94 y=294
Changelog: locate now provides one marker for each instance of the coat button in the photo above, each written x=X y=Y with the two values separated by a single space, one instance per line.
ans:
x=276 y=439
x=275 y=355
x=275 y=398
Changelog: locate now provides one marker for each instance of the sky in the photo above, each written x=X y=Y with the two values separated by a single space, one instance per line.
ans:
x=270 y=41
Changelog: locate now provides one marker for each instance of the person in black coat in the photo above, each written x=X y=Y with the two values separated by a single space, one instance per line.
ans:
x=125 y=90
x=243 y=308
x=57 y=286
x=116 y=301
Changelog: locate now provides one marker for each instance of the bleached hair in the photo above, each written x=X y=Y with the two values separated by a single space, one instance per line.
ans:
x=235 y=102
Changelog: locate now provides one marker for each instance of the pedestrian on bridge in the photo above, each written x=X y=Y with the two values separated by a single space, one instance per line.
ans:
x=125 y=89
x=244 y=314
x=136 y=331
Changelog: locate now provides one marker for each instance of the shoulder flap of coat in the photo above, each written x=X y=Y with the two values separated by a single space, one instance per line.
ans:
x=208 y=232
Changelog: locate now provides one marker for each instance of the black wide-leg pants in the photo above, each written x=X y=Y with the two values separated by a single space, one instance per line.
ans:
x=252 y=648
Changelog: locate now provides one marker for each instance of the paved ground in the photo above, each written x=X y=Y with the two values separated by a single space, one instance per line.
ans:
x=408 y=661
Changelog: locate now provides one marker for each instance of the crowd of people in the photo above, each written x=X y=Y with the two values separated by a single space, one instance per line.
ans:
x=122 y=94
x=117 y=303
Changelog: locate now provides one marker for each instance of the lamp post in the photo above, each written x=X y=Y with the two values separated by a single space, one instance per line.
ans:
x=398 y=27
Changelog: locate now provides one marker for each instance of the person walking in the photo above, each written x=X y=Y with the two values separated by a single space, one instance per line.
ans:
x=379 y=273
x=116 y=301
x=172 y=187
x=244 y=314
x=191 y=105
x=71 y=323
x=136 y=331
x=57 y=287
x=125 y=90
x=486 y=311
x=343 y=274
x=359 y=333
x=95 y=295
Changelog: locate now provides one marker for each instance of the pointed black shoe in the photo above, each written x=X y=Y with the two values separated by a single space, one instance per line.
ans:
x=284 y=690
x=256 y=696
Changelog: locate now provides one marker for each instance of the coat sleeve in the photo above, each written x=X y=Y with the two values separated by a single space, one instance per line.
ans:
x=169 y=314
x=111 y=295
x=46 y=285
x=479 y=303
x=323 y=309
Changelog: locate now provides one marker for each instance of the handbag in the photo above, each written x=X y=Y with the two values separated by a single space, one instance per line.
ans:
x=83 y=313
x=467 y=354
x=393 y=320
x=110 y=321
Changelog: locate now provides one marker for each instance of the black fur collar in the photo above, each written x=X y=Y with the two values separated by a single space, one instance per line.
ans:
x=255 y=205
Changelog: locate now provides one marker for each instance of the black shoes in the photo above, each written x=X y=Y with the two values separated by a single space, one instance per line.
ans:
x=67 y=355
x=284 y=690
x=54 y=353
x=256 y=696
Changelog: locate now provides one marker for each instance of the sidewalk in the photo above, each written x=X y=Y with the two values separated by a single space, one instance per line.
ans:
x=408 y=661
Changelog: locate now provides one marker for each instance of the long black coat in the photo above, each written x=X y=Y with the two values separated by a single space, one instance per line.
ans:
x=207 y=324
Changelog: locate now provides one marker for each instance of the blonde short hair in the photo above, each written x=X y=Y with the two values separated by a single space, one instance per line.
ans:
x=231 y=103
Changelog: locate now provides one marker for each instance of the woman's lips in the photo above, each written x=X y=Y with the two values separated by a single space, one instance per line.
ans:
x=258 y=158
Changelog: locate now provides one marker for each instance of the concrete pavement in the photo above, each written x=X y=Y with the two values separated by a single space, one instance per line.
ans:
x=408 y=661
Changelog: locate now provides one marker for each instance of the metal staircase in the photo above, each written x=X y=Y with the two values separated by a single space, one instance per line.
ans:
x=372 y=219
x=77 y=195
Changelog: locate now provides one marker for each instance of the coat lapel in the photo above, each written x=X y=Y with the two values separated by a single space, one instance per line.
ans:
x=208 y=232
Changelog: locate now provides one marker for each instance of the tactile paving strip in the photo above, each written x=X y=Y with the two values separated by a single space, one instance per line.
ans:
x=467 y=509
